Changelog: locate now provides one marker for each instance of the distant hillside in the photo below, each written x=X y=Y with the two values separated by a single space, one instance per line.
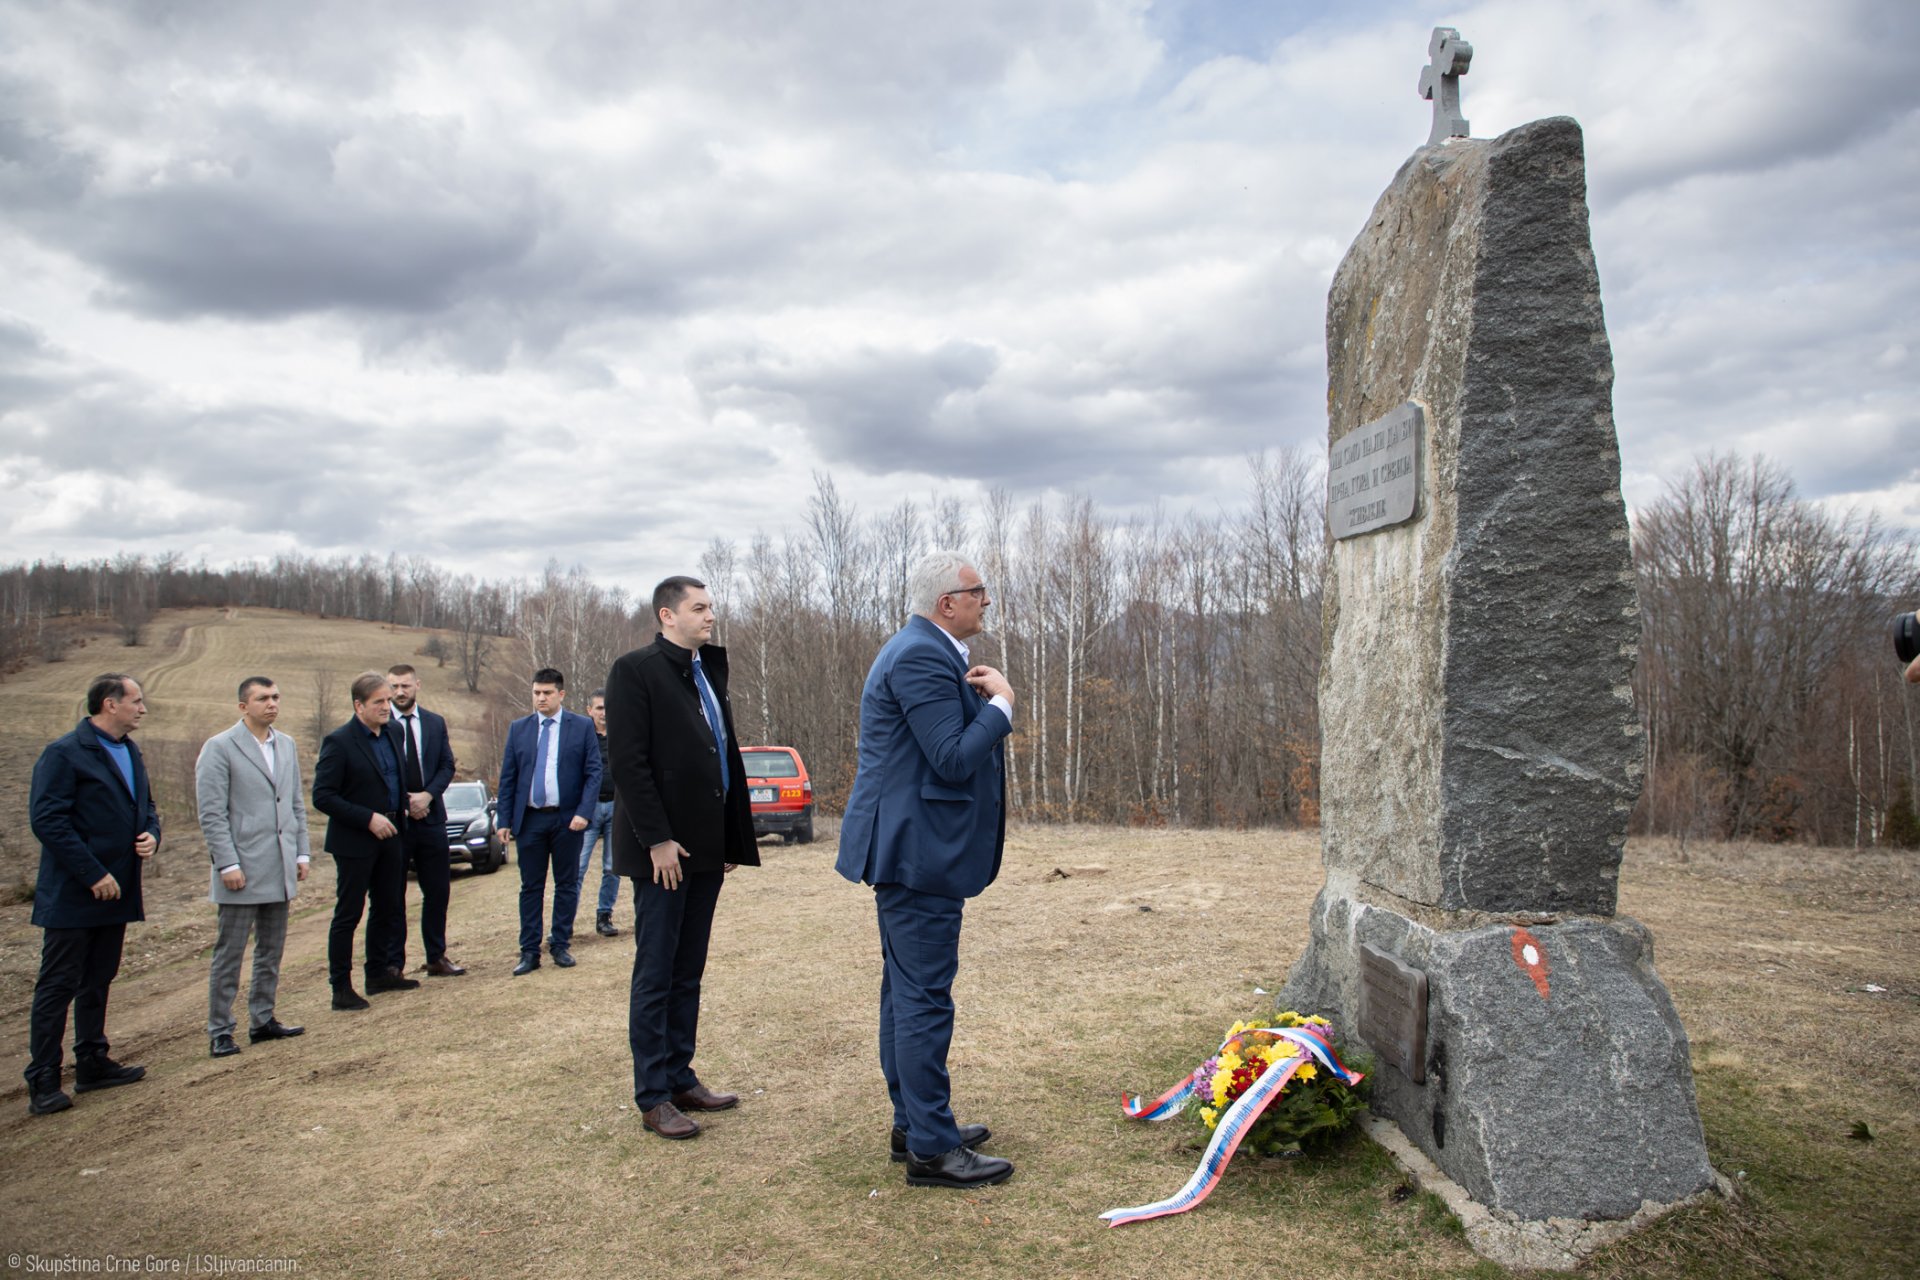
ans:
x=190 y=666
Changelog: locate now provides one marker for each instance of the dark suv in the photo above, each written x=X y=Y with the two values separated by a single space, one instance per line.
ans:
x=472 y=837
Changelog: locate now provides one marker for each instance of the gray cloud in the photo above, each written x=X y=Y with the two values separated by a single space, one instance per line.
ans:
x=670 y=259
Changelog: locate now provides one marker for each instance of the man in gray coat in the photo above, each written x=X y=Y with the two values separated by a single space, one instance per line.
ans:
x=255 y=822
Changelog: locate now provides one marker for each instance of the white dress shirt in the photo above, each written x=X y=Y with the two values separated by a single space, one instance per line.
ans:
x=997 y=700
x=550 y=767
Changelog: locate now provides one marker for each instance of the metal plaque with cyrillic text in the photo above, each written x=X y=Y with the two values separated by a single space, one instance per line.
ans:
x=1393 y=1011
x=1373 y=473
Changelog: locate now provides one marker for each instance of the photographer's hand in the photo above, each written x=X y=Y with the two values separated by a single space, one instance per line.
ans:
x=1913 y=671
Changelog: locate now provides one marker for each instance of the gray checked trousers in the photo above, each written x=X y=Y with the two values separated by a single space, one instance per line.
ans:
x=267 y=921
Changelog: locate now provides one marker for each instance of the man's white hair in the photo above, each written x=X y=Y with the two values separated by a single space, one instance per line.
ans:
x=937 y=574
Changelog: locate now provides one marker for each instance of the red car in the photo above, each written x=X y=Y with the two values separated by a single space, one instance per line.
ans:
x=781 y=792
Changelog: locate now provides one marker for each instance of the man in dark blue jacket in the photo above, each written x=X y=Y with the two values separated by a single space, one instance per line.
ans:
x=925 y=826
x=549 y=788
x=94 y=816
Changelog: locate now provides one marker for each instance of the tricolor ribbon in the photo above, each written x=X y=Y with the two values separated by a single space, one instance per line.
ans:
x=1234 y=1124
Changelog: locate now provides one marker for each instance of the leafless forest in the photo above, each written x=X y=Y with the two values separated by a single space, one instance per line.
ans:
x=1167 y=665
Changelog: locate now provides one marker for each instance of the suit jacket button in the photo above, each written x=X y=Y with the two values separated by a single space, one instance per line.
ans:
x=717 y=793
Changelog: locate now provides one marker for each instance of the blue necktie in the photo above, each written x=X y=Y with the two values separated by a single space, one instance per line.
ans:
x=540 y=767
x=714 y=721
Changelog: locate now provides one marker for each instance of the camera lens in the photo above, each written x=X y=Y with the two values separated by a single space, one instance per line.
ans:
x=1906 y=636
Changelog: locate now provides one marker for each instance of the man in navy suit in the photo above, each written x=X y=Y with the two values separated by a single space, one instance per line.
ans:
x=925 y=827
x=549 y=787
x=94 y=816
x=427 y=759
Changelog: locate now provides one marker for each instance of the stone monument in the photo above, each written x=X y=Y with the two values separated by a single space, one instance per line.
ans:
x=1480 y=750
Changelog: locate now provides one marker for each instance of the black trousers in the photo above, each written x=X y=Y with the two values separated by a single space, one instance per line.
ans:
x=423 y=846
x=671 y=929
x=379 y=882
x=76 y=968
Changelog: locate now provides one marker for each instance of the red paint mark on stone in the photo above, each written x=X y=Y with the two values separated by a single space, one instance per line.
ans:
x=1532 y=959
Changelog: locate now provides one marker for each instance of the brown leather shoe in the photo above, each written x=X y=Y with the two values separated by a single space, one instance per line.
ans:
x=444 y=967
x=667 y=1121
x=701 y=1098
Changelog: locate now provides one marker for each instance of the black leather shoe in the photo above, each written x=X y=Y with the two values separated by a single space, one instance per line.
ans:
x=529 y=961
x=45 y=1104
x=444 y=967
x=391 y=980
x=563 y=958
x=345 y=998
x=273 y=1029
x=222 y=1046
x=960 y=1167
x=603 y=925
x=103 y=1073
x=971 y=1137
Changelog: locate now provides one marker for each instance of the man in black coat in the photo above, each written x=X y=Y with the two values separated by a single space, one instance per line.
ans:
x=681 y=821
x=428 y=759
x=358 y=782
x=93 y=813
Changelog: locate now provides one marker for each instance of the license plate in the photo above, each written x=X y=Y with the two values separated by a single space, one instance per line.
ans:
x=760 y=795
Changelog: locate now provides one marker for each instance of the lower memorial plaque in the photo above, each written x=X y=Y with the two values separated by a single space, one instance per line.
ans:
x=1393 y=1011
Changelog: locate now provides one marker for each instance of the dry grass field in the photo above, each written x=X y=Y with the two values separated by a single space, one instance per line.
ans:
x=483 y=1126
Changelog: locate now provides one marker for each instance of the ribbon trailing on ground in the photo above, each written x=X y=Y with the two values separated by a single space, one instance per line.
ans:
x=1234 y=1123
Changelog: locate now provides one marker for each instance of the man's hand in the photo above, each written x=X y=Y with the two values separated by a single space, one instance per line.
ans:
x=506 y=836
x=300 y=870
x=666 y=863
x=418 y=802
x=144 y=846
x=990 y=683
x=382 y=827
x=106 y=888
x=578 y=824
x=235 y=879
x=1913 y=672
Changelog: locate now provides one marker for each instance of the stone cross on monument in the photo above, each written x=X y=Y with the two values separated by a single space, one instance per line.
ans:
x=1440 y=83
x=1480 y=752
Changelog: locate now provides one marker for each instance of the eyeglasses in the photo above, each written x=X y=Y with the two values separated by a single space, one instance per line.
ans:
x=979 y=591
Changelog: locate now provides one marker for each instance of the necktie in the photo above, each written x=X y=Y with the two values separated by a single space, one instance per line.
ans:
x=415 y=780
x=714 y=721
x=540 y=800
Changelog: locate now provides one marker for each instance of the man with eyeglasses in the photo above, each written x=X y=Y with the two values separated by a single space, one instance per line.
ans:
x=925 y=827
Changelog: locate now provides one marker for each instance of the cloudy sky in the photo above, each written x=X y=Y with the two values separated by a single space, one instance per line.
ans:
x=494 y=283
